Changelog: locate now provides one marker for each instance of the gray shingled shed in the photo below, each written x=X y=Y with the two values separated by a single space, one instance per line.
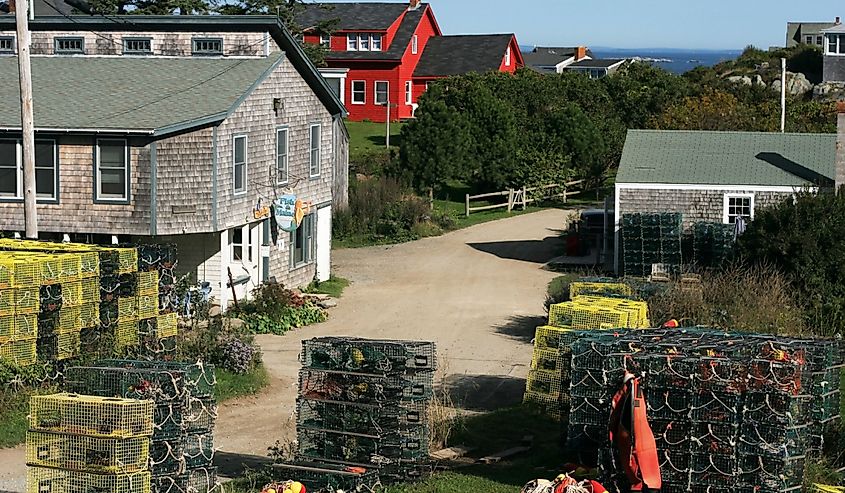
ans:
x=718 y=176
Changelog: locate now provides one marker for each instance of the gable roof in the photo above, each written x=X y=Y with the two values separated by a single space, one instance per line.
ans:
x=131 y=94
x=727 y=158
x=399 y=45
x=200 y=24
x=462 y=54
x=836 y=28
x=597 y=63
x=549 y=56
x=366 y=16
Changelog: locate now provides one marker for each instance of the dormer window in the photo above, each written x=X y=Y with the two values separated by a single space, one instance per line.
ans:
x=137 y=46
x=207 y=46
x=325 y=40
x=364 y=42
x=70 y=46
x=7 y=45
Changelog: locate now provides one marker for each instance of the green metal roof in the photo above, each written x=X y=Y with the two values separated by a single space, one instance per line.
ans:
x=153 y=95
x=727 y=158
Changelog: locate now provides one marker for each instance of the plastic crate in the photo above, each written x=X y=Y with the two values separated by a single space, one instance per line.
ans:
x=85 y=453
x=94 y=416
x=21 y=352
x=364 y=388
x=368 y=355
x=364 y=419
x=43 y=479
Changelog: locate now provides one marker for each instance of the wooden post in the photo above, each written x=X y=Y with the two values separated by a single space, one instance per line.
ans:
x=232 y=284
x=387 y=136
x=27 y=125
x=510 y=199
x=431 y=198
x=564 y=193
x=524 y=198
x=467 y=205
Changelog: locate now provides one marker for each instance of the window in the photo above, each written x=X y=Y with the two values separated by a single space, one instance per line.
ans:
x=11 y=169
x=363 y=43
x=808 y=40
x=9 y=178
x=70 y=46
x=239 y=164
x=359 y=92
x=325 y=40
x=741 y=205
x=137 y=46
x=236 y=242
x=7 y=44
x=508 y=57
x=112 y=170
x=302 y=242
x=282 y=155
x=835 y=44
x=415 y=44
x=207 y=46
x=314 y=147
x=352 y=42
x=250 y=231
x=409 y=92
x=820 y=40
x=375 y=43
x=381 y=92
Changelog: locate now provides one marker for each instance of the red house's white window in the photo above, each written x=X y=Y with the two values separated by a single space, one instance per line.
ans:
x=375 y=42
x=359 y=92
x=364 y=42
x=508 y=57
x=382 y=88
x=351 y=42
x=325 y=40
x=415 y=45
x=409 y=92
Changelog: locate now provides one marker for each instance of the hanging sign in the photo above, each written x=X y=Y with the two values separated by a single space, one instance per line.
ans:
x=284 y=208
x=260 y=211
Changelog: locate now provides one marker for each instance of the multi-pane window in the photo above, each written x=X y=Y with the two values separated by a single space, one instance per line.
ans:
x=836 y=44
x=325 y=40
x=381 y=92
x=314 y=150
x=236 y=242
x=11 y=169
x=137 y=46
x=207 y=46
x=375 y=43
x=239 y=164
x=738 y=206
x=820 y=40
x=808 y=40
x=359 y=92
x=282 y=155
x=352 y=42
x=364 y=42
x=112 y=170
x=7 y=44
x=302 y=242
x=70 y=46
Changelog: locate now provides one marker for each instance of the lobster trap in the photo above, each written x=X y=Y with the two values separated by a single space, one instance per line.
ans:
x=368 y=356
x=778 y=407
x=668 y=404
x=198 y=450
x=714 y=438
x=362 y=450
x=773 y=440
x=167 y=457
x=364 y=388
x=583 y=316
x=87 y=453
x=319 y=477
x=44 y=479
x=201 y=413
x=130 y=383
x=375 y=421
x=88 y=415
x=771 y=473
x=716 y=407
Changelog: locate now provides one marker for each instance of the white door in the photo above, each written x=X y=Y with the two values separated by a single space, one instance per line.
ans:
x=324 y=243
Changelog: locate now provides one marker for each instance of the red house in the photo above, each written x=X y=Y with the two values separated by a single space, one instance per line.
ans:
x=388 y=52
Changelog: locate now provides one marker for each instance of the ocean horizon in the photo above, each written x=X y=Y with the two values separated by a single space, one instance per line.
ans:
x=674 y=60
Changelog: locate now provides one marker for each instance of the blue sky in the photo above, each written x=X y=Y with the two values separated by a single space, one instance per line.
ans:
x=711 y=24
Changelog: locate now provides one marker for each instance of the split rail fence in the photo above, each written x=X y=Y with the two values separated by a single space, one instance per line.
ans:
x=520 y=197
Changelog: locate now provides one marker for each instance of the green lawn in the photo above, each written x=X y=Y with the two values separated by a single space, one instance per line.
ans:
x=369 y=136
x=333 y=287
x=232 y=385
x=14 y=409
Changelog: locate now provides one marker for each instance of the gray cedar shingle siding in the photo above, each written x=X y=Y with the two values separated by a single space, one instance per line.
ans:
x=834 y=68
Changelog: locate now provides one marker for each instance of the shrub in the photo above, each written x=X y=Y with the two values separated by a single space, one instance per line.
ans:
x=371 y=162
x=558 y=290
x=276 y=310
x=238 y=356
x=221 y=343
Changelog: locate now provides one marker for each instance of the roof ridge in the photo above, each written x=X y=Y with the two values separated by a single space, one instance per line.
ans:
x=753 y=132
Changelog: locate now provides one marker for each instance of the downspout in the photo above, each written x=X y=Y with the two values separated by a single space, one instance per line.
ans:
x=214 y=178
x=153 y=187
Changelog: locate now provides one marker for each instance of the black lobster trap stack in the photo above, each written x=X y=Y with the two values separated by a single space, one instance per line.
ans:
x=363 y=405
x=181 y=450
x=727 y=410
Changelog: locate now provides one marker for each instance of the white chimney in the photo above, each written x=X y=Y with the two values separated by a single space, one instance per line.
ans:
x=840 y=144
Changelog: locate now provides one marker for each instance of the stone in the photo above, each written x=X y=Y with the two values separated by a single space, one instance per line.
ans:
x=831 y=91
x=758 y=81
x=796 y=84
x=740 y=79
x=329 y=303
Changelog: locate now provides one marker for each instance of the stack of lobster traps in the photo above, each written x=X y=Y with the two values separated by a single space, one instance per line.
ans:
x=727 y=410
x=84 y=443
x=363 y=406
x=181 y=450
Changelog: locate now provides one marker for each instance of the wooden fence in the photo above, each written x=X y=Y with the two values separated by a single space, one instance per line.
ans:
x=520 y=197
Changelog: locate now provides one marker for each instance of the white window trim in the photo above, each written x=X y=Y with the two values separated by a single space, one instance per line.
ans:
x=726 y=202
x=235 y=138
x=415 y=45
x=375 y=92
x=325 y=40
x=350 y=38
x=18 y=171
x=840 y=45
x=232 y=246
x=55 y=196
x=352 y=91
x=311 y=148
x=508 y=57
x=127 y=167
x=286 y=179
x=380 y=38
x=311 y=251
x=13 y=49
x=409 y=92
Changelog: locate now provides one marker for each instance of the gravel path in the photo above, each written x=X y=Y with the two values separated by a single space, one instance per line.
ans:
x=477 y=292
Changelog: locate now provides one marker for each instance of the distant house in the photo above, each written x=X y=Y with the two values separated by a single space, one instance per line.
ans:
x=182 y=130
x=597 y=68
x=391 y=51
x=834 y=54
x=554 y=59
x=808 y=33
x=719 y=176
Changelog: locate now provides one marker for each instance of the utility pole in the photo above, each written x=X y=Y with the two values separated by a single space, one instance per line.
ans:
x=27 y=124
x=782 y=95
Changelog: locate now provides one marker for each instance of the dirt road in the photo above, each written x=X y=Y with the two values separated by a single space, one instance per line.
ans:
x=477 y=292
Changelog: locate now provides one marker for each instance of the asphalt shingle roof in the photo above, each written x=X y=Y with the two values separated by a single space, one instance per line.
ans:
x=129 y=93
x=839 y=29
x=398 y=46
x=371 y=16
x=727 y=158
x=596 y=63
x=548 y=55
x=457 y=55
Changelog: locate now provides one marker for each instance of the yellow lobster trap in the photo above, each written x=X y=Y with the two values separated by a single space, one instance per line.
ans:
x=19 y=352
x=87 y=453
x=93 y=416
x=583 y=316
x=49 y=480
x=18 y=327
x=579 y=288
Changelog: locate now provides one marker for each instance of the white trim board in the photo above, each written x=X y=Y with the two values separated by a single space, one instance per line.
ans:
x=717 y=188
